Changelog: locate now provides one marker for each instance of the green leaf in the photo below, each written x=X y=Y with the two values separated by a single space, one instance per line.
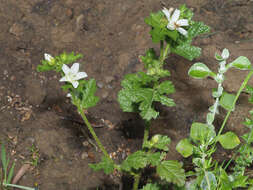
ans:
x=187 y=51
x=172 y=172
x=249 y=90
x=229 y=140
x=159 y=31
x=199 y=71
x=149 y=59
x=159 y=142
x=3 y=157
x=226 y=184
x=240 y=181
x=185 y=148
x=209 y=181
x=197 y=28
x=139 y=93
x=227 y=101
x=106 y=164
x=166 y=87
x=202 y=132
x=58 y=61
x=151 y=186
x=136 y=161
x=10 y=175
x=241 y=63
x=87 y=97
x=155 y=158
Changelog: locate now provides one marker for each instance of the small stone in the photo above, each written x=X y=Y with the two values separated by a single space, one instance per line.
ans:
x=109 y=79
x=5 y=72
x=105 y=94
x=13 y=78
x=100 y=85
x=84 y=155
x=80 y=22
x=17 y=29
x=85 y=143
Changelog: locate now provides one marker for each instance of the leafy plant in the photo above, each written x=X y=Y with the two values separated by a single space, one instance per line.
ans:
x=7 y=172
x=201 y=144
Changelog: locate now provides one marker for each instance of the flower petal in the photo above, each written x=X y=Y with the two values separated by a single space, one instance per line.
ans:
x=183 y=22
x=175 y=15
x=171 y=26
x=225 y=53
x=75 y=68
x=80 y=75
x=69 y=95
x=65 y=69
x=182 y=31
x=75 y=84
x=167 y=12
x=48 y=57
x=63 y=79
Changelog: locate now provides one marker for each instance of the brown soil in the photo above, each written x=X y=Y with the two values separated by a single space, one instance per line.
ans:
x=111 y=35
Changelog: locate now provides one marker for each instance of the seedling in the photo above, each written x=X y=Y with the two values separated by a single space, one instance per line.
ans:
x=7 y=173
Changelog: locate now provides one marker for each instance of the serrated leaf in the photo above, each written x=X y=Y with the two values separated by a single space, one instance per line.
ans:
x=199 y=71
x=187 y=51
x=88 y=98
x=159 y=142
x=139 y=93
x=209 y=181
x=166 y=87
x=229 y=140
x=227 y=101
x=171 y=171
x=197 y=28
x=201 y=132
x=155 y=158
x=151 y=186
x=149 y=58
x=106 y=165
x=136 y=161
x=241 y=63
x=185 y=148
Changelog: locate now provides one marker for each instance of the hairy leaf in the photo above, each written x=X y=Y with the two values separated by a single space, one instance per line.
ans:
x=137 y=160
x=242 y=63
x=171 y=171
x=185 y=148
x=202 y=132
x=229 y=140
x=209 y=181
x=227 y=101
x=106 y=165
x=197 y=28
x=199 y=71
x=159 y=142
x=187 y=51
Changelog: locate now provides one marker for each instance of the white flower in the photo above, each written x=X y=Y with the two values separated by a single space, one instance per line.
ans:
x=174 y=22
x=48 y=57
x=69 y=95
x=72 y=75
x=225 y=54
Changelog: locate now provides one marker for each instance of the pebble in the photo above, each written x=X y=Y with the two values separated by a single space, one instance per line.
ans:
x=100 y=85
x=84 y=155
x=105 y=94
x=80 y=21
x=109 y=79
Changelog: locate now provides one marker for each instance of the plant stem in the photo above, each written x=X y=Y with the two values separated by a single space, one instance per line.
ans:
x=136 y=181
x=163 y=52
x=102 y=148
x=146 y=132
x=243 y=85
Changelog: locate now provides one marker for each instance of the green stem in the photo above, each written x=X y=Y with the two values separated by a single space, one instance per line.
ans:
x=19 y=186
x=137 y=178
x=146 y=133
x=163 y=52
x=102 y=148
x=243 y=85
